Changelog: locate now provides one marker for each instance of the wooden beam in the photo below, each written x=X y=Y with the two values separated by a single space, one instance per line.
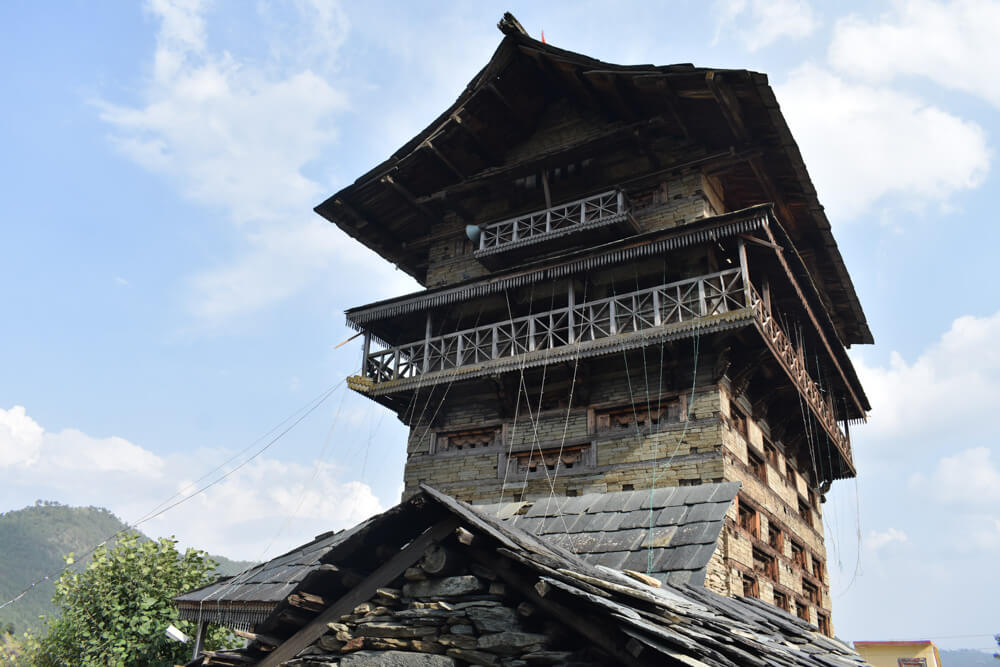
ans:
x=381 y=577
x=729 y=105
x=485 y=152
x=444 y=160
x=667 y=94
x=812 y=318
x=514 y=112
x=410 y=199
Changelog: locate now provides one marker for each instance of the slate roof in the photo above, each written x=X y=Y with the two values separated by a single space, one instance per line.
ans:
x=674 y=624
x=613 y=529
x=248 y=598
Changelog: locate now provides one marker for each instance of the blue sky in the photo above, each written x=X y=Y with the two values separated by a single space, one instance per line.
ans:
x=169 y=296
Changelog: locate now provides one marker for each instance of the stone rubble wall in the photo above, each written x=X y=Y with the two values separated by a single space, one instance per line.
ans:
x=465 y=619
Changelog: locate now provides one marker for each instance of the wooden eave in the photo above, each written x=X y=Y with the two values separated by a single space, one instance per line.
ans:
x=392 y=208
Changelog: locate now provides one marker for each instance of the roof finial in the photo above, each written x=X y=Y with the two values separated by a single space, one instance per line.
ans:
x=509 y=25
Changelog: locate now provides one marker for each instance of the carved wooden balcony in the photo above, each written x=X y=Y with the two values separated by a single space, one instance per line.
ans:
x=578 y=328
x=792 y=360
x=604 y=214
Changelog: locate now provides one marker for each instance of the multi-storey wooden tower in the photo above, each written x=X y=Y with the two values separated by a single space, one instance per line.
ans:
x=630 y=284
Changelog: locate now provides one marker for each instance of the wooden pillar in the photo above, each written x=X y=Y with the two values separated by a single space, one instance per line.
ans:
x=366 y=350
x=766 y=288
x=745 y=271
x=199 y=639
x=427 y=343
x=570 y=315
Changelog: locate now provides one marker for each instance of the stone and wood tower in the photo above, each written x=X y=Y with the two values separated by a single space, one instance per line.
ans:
x=630 y=284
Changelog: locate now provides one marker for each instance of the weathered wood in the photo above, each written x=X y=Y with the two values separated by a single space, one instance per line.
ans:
x=439 y=561
x=257 y=637
x=381 y=577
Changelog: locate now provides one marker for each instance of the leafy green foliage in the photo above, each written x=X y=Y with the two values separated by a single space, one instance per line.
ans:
x=33 y=544
x=116 y=611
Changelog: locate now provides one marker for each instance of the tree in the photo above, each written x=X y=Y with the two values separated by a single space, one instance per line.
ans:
x=117 y=610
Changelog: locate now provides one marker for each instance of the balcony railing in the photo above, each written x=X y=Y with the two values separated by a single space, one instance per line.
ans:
x=642 y=310
x=793 y=360
x=594 y=211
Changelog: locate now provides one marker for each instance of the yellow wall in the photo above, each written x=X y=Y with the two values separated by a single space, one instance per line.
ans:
x=887 y=654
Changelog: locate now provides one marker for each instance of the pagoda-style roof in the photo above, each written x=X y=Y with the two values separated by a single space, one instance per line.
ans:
x=723 y=122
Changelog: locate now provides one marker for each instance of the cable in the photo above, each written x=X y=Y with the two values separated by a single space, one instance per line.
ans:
x=159 y=510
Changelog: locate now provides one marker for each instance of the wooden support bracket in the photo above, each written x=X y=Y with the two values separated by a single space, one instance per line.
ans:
x=380 y=578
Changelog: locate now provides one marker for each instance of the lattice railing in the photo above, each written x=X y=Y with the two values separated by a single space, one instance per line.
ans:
x=793 y=360
x=590 y=211
x=642 y=310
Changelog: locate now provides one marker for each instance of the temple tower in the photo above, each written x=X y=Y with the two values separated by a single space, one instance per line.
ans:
x=630 y=284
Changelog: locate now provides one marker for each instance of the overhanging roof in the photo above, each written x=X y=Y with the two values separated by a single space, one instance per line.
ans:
x=722 y=119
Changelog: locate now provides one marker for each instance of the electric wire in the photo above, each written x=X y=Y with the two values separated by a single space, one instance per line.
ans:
x=166 y=506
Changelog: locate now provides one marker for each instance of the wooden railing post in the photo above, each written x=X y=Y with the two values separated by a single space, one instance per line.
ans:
x=427 y=344
x=571 y=314
x=744 y=270
x=366 y=350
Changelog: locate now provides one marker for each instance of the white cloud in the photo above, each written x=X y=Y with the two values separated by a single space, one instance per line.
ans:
x=760 y=23
x=268 y=502
x=968 y=478
x=237 y=136
x=879 y=539
x=20 y=438
x=864 y=143
x=949 y=393
x=951 y=43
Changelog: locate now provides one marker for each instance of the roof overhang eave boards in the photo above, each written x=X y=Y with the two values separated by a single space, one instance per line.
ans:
x=389 y=236
x=862 y=333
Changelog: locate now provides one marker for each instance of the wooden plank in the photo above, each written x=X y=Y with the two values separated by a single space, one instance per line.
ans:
x=381 y=577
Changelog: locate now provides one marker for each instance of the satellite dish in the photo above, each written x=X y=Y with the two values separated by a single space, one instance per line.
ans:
x=473 y=232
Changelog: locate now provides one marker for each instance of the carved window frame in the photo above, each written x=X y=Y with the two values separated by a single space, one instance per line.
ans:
x=442 y=441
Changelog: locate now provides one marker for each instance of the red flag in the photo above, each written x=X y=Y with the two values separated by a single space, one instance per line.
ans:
x=543 y=37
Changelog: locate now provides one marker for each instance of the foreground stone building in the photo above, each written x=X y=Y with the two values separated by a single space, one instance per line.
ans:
x=632 y=338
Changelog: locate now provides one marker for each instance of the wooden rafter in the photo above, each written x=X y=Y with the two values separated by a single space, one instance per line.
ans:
x=381 y=577
x=408 y=197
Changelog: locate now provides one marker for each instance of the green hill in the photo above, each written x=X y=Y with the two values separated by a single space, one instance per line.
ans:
x=33 y=544
x=968 y=658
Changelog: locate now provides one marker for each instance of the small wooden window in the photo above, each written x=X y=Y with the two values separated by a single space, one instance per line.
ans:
x=764 y=564
x=776 y=538
x=757 y=466
x=781 y=601
x=798 y=554
x=805 y=512
x=466 y=439
x=739 y=418
x=550 y=460
x=750 y=586
x=690 y=482
x=818 y=568
x=814 y=499
x=802 y=610
x=824 y=624
x=629 y=419
x=812 y=592
x=749 y=520
x=771 y=454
